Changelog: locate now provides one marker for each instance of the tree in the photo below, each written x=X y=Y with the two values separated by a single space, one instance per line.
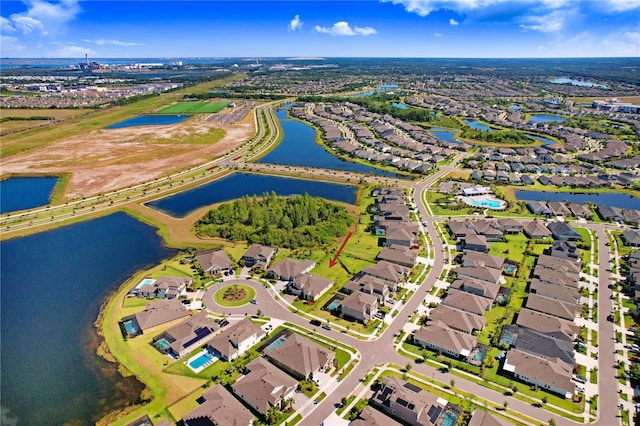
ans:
x=272 y=415
x=408 y=367
x=452 y=383
x=259 y=312
x=505 y=404
x=544 y=399
x=552 y=422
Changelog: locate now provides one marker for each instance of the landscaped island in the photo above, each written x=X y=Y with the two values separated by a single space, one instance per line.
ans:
x=292 y=222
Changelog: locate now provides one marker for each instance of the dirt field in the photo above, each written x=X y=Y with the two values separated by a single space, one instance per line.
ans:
x=105 y=160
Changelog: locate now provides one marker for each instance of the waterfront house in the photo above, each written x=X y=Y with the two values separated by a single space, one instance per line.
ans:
x=610 y=213
x=259 y=255
x=538 y=207
x=408 y=403
x=579 y=210
x=220 y=407
x=236 y=339
x=160 y=312
x=186 y=336
x=631 y=238
x=300 y=357
x=165 y=287
x=264 y=386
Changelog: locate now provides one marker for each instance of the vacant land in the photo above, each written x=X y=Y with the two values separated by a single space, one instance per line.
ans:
x=194 y=108
x=19 y=119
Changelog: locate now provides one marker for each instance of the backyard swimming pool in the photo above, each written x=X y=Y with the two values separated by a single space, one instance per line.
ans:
x=205 y=358
x=131 y=328
x=334 y=305
x=146 y=281
x=276 y=343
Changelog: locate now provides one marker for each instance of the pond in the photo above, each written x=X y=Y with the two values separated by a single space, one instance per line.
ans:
x=399 y=105
x=298 y=148
x=53 y=284
x=544 y=141
x=444 y=134
x=150 y=120
x=21 y=193
x=562 y=80
x=514 y=107
x=238 y=185
x=622 y=201
x=546 y=118
x=477 y=125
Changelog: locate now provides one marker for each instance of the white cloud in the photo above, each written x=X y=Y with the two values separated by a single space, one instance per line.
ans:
x=10 y=45
x=552 y=22
x=42 y=17
x=102 y=42
x=453 y=22
x=623 y=5
x=6 y=26
x=425 y=7
x=437 y=35
x=70 y=51
x=622 y=44
x=28 y=25
x=295 y=23
x=343 y=28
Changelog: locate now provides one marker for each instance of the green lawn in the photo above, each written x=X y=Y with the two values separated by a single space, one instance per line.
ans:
x=194 y=108
x=234 y=295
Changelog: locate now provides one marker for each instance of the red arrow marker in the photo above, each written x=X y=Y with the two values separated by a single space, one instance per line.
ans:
x=335 y=258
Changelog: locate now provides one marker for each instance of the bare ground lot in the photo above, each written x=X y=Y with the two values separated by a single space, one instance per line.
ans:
x=104 y=160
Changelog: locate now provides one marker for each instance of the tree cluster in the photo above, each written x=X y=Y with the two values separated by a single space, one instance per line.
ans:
x=497 y=136
x=292 y=222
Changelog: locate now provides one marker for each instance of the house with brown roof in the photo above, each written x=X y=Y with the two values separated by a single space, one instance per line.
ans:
x=551 y=374
x=510 y=226
x=368 y=284
x=289 y=268
x=309 y=286
x=457 y=319
x=555 y=291
x=236 y=339
x=408 y=403
x=536 y=230
x=483 y=418
x=478 y=259
x=372 y=417
x=476 y=242
x=300 y=357
x=543 y=345
x=481 y=273
x=160 y=312
x=387 y=271
x=480 y=288
x=438 y=337
x=186 y=336
x=553 y=307
x=264 y=385
x=165 y=287
x=214 y=262
x=399 y=236
x=550 y=325
x=259 y=255
x=467 y=302
x=220 y=407
x=359 y=306
x=399 y=255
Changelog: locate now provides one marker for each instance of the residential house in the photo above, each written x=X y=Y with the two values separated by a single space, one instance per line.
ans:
x=482 y=273
x=390 y=272
x=467 y=302
x=309 y=286
x=214 y=262
x=476 y=242
x=536 y=230
x=369 y=285
x=400 y=236
x=550 y=325
x=481 y=260
x=236 y=339
x=610 y=213
x=553 y=307
x=579 y=210
x=300 y=357
x=558 y=208
x=399 y=255
x=631 y=238
x=483 y=418
x=408 y=403
x=555 y=291
x=259 y=255
x=563 y=231
x=359 y=306
x=478 y=287
x=186 y=336
x=372 y=417
x=165 y=287
x=543 y=345
x=631 y=217
x=457 y=320
x=438 y=337
x=561 y=248
x=551 y=374
x=538 y=207
x=510 y=226
x=289 y=268
x=220 y=407
x=264 y=386
x=160 y=312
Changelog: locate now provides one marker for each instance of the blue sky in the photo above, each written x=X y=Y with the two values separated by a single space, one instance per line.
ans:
x=391 y=28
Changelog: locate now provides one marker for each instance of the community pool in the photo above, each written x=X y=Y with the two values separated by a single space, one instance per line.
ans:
x=146 y=281
x=276 y=343
x=483 y=202
x=205 y=358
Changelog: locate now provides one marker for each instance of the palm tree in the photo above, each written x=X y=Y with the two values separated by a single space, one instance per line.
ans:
x=272 y=415
x=287 y=403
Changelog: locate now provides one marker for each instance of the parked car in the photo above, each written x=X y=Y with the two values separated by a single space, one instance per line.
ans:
x=254 y=301
x=326 y=326
x=315 y=322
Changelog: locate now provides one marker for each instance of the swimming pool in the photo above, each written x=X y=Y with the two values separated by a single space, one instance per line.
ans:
x=131 y=328
x=483 y=202
x=202 y=360
x=449 y=419
x=163 y=345
x=146 y=281
x=276 y=343
x=334 y=305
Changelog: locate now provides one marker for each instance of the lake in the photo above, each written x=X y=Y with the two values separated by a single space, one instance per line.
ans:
x=546 y=118
x=298 y=148
x=477 y=125
x=52 y=286
x=561 y=80
x=21 y=193
x=239 y=184
x=150 y=120
x=514 y=107
x=622 y=201
x=544 y=141
x=399 y=105
x=446 y=135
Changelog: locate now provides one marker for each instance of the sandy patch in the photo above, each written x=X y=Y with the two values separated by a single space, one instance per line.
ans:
x=105 y=160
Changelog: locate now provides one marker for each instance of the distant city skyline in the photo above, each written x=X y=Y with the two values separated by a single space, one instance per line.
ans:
x=388 y=28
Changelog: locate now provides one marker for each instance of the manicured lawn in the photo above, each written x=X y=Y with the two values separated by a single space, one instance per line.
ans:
x=234 y=295
x=194 y=108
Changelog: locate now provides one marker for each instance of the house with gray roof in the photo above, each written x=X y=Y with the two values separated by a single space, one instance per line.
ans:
x=160 y=312
x=359 y=306
x=259 y=255
x=551 y=374
x=536 y=230
x=186 y=336
x=287 y=269
x=369 y=285
x=477 y=287
x=476 y=242
x=483 y=418
x=234 y=340
x=550 y=325
x=467 y=302
x=372 y=417
x=399 y=236
x=457 y=320
x=220 y=407
x=399 y=255
x=510 y=226
x=538 y=207
x=214 y=262
x=390 y=272
x=553 y=307
x=609 y=213
x=438 y=337
x=309 y=286
x=562 y=248
x=579 y=210
x=300 y=357
x=631 y=238
x=563 y=231
x=408 y=403
x=543 y=345
x=264 y=386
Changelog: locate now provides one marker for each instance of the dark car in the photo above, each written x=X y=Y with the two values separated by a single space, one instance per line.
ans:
x=316 y=322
